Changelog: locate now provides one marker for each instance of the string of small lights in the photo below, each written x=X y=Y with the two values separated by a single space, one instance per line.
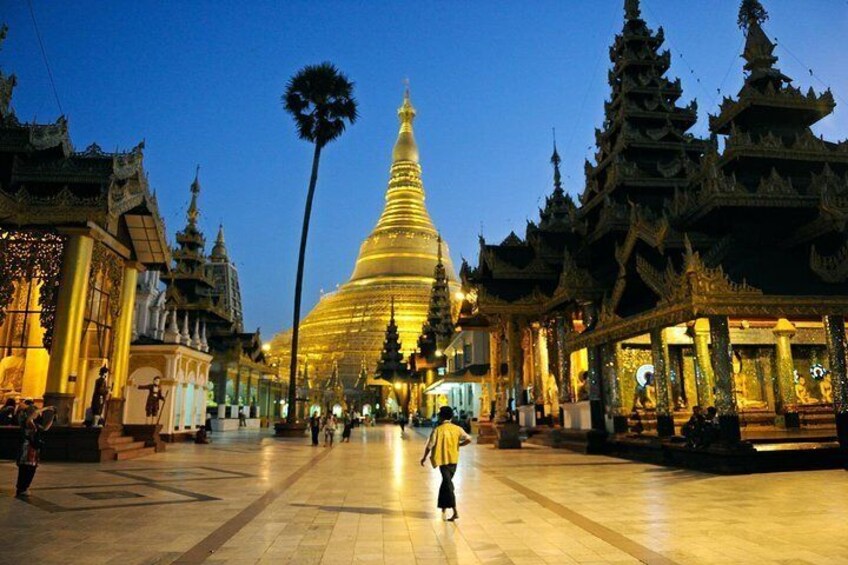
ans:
x=809 y=70
x=44 y=57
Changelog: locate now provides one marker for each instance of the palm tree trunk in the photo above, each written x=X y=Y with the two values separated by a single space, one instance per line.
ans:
x=298 y=287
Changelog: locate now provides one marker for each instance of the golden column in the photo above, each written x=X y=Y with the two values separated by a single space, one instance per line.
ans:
x=496 y=381
x=536 y=379
x=704 y=379
x=429 y=399
x=67 y=328
x=123 y=331
x=787 y=404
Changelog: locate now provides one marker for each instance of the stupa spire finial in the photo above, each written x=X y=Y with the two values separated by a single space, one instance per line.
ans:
x=555 y=161
x=405 y=147
x=759 y=49
x=631 y=10
x=193 y=210
x=219 y=250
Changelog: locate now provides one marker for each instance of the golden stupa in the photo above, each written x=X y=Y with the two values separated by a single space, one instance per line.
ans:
x=397 y=260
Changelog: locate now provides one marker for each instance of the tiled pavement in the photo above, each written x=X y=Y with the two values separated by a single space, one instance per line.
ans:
x=248 y=498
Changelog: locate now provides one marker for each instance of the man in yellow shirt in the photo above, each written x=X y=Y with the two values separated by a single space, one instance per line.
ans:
x=443 y=449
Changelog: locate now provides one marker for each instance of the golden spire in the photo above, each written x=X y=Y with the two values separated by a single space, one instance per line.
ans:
x=405 y=147
x=392 y=279
x=404 y=240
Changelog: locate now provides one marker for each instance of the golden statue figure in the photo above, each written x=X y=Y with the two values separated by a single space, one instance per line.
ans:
x=801 y=392
x=826 y=389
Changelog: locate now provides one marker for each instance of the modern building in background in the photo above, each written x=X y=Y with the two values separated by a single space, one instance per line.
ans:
x=224 y=275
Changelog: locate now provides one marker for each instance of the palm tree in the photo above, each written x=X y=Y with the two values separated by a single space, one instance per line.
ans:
x=320 y=99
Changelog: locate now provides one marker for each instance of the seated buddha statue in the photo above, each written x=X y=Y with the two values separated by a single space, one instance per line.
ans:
x=801 y=392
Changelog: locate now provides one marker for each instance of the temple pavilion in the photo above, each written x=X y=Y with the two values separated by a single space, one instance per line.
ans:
x=76 y=228
x=396 y=261
x=693 y=272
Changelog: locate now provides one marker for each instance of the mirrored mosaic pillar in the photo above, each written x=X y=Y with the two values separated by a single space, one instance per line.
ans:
x=704 y=380
x=596 y=392
x=611 y=372
x=659 y=354
x=515 y=361
x=497 y=382
x=787 y=404
x=566 y=390
x=722 y=361
x=834 y=331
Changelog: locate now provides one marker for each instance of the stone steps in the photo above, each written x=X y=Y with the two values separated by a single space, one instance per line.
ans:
x=134 y=453
x=115 y=440
x=127 y=447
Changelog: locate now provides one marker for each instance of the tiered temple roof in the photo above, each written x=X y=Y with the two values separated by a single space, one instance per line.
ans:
x=524 y=272
x=643 y=151
x=391 y=363
x=190 y=286
x=438 y=329
x=47 y=184
x=670 y=226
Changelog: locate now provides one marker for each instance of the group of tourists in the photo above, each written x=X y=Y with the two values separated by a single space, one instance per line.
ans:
x=33 y=423
x=701 y=430
x=328 y=425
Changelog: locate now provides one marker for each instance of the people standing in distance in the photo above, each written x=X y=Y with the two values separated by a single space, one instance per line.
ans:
x=329 y=430
x=315 y=427
x=99 y=397
x=443 y=450
x=35 y=423
x=348 y=426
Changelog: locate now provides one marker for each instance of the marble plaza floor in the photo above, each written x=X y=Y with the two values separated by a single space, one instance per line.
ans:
x=249 y=498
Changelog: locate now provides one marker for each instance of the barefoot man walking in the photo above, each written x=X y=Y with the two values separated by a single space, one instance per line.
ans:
x=443 y=449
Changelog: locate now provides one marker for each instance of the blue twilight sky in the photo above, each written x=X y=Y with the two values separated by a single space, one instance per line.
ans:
x=200 y=83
